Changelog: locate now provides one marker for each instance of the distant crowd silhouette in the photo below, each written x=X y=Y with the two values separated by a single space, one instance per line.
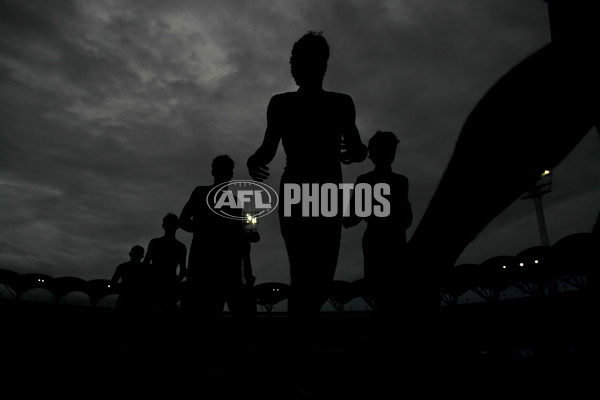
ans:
x=217 y=272
x=526 y=123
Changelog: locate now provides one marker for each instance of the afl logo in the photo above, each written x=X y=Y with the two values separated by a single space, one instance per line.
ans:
x=229 y=199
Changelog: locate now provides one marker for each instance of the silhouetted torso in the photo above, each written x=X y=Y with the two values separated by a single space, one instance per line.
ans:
x=311 y=126
x=134 y=285
x=318 y=133
x=166 y=254
x=220 y=247
x=217 y=244
x=400 y=217
x=130 y=273
x=384 y=240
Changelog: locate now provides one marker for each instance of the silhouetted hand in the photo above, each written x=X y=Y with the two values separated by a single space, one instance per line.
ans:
x=257 y=172
x=349 y=157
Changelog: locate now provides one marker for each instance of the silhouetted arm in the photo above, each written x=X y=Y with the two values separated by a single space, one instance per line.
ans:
x=117 y=275
x=353 y=149
x=257 y=163
x=352 y=219
x=245 y=249
x=248 y=276
x=149 y=253
x=187 y=213
x=182 y=263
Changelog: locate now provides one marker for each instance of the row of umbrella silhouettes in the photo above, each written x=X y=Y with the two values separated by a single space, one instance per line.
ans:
x=573 y=260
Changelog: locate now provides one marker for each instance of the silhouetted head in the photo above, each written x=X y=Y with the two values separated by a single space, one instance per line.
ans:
x=170 y=222
x=309 y=59
x=136 y=253
x=382 y=147
x=222 y=168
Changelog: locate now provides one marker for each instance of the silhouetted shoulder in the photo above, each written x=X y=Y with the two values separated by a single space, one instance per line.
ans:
x=339 y=97
x=283 y=96
x=330 y=96
x=364 y=178
x=200 y=191
x=391 y=178
x=198 y=197
x=341 y=100
x=123 y=266
x=290 y=106
x=281 y=99
x=400 y=179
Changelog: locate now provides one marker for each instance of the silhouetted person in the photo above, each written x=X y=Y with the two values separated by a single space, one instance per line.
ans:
x=384 y=240
x=132 y=278
x=528 y=122
x=166 y=259
x=219 y=254
x=318 y=132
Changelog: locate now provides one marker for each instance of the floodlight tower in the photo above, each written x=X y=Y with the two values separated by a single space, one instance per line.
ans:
x=541 y=187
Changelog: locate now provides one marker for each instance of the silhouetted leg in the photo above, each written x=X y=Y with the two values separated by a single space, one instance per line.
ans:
x=313 y=252
x=399 y=328
x=312 y=247
x=214 y=301
x=385 y=270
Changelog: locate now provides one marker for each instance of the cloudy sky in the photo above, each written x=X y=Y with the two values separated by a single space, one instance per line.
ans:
x=111 y=112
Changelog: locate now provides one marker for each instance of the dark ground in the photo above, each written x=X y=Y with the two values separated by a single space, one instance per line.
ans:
x=517 y=348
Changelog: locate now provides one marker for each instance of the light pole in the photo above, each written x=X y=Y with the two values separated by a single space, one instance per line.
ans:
x=541 y=187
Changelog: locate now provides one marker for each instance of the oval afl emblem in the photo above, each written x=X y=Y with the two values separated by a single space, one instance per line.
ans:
x=236 y=199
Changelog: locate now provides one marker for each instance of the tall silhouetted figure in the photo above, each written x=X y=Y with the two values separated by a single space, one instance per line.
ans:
x=131 y=276
x=384 y=240
x=219 y=254
x=318 y=132
x=528 y=122
x=166 y=259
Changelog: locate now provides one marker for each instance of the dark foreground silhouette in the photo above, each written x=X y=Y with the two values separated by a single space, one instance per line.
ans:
x=528 y=122
x=219 y=264
x=318 y=132
x=134 y=284
x=540 y=344
x=166 y=261
x=384 y=240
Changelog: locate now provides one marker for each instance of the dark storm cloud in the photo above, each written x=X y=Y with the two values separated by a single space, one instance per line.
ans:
x=111 y=112
x=116 y=111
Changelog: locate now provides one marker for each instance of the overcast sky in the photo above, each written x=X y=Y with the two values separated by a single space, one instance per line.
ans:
x=112 y=111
